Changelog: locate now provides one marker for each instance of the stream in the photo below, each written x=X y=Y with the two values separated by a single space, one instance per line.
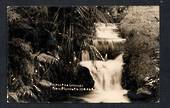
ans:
x=106 y=74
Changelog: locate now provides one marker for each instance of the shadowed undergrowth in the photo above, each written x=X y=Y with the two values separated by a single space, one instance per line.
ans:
x=45 y=45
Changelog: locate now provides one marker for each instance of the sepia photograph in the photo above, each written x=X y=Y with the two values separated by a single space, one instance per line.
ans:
x=83 y=54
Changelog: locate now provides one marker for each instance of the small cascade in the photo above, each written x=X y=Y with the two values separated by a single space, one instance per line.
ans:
x=107 y=37
x=106 y=74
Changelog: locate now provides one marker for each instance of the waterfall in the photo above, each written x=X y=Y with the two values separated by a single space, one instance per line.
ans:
x=107 y=77
x=106 y=74
x=107 y=38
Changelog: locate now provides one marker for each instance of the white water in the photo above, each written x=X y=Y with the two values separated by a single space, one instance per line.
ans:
x=106 y=74
x=107 y=36
x=108 y=32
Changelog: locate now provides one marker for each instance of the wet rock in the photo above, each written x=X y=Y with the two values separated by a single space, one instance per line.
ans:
x=84 y=77
x=140 y=95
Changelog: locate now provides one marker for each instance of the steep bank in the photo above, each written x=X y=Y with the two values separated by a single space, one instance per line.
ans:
x=140 y=27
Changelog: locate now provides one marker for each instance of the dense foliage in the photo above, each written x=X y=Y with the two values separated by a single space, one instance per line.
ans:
x=141 y=29
x=45 y=45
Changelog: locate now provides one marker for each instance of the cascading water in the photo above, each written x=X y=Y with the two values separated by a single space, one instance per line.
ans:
x=106 y=74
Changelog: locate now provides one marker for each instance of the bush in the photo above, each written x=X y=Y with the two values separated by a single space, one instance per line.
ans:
x=140 y=27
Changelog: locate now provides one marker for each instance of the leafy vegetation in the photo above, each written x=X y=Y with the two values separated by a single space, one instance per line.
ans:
x=45 y=45
x=141 y=29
